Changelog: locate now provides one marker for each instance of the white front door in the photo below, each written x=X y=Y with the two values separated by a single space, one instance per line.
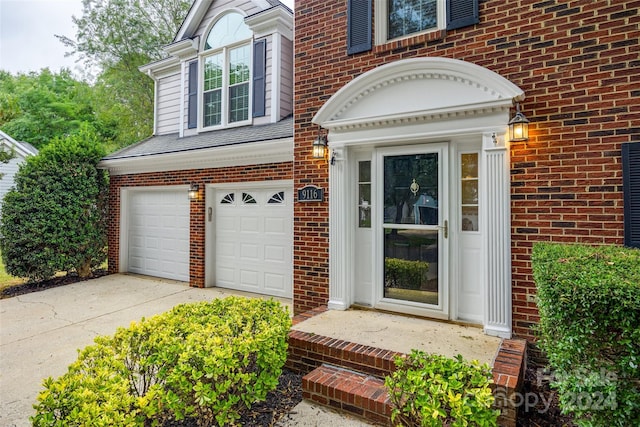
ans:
x=411 y=230
x=254 y=239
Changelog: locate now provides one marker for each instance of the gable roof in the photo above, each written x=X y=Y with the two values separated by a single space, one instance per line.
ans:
x=199 y=9
x=22 y=149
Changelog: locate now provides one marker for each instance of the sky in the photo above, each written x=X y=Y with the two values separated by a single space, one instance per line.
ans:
x=27 y=34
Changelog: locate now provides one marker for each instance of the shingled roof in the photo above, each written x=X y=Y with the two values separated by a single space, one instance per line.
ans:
x=172 y=143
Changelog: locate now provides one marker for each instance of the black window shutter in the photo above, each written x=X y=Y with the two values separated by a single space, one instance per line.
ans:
x=358 y=26
x=631 y=188
x=192 y=106
x=259 y=78
x=462 y=13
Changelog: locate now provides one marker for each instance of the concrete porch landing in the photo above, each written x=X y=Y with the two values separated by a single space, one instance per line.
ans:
x=402 y=334
x=345 y=356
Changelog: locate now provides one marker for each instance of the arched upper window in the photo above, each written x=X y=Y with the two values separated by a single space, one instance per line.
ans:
x=228 y=30
x=226 y=72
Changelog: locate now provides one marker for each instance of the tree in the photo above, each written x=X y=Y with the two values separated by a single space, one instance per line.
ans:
x=55 y=218
x=119 y=36
x=38 y=107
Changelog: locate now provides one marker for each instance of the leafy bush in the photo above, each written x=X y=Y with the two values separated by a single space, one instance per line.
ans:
x=204 y=360
x=55 y=219
x=434 y=390
x=589 y=302
x=405 y=274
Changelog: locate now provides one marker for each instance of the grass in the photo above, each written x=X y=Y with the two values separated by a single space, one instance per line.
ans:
x=6 y=280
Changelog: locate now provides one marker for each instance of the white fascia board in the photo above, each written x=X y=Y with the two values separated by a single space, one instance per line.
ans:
x=161 y=68
x=194 y=17
x=184 y=49
x=254 y=153
x=274 y=20
x=19 y=148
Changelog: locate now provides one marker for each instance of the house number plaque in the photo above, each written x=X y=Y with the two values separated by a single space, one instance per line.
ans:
x=310 y=193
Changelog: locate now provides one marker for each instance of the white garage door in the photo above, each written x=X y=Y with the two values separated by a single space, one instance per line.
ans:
x=159 y=233
x=254 y=240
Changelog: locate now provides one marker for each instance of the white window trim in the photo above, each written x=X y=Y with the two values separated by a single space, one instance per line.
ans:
x=224 y=122
x=381 y=26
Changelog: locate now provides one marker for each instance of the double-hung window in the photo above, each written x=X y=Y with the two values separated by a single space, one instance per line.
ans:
x=406 y=17
x=399 y=19
x=226 y=75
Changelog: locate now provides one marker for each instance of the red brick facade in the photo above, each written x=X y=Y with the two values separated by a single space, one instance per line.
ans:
x=578 y=63
x=267 y=172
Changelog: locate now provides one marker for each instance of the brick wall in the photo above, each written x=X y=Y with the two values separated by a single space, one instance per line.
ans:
x=268 y=172
x=579 y=65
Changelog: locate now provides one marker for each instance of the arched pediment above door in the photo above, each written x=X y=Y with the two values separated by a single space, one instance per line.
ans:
x=416 y=90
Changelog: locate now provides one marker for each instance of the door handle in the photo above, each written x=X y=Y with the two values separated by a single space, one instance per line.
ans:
x=210 y=213
x=445 y=229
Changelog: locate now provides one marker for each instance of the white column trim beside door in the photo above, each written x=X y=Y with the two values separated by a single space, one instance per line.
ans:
x=339 y=232
x=497 y=313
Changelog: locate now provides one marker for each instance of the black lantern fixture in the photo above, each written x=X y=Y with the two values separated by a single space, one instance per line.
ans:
x=519 y=126
x=319 y=146
x=193 y=191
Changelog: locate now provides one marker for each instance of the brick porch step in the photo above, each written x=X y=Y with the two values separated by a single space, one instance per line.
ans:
x=359 y=394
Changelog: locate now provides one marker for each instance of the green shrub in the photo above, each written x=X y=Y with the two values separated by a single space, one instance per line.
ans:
x=204 y=360
x=56 y=217
x=434 y=390
x=589 y=303
x=405 y=274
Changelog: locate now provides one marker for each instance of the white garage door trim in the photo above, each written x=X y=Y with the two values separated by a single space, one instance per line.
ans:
x=214 y=194
x=126 y=195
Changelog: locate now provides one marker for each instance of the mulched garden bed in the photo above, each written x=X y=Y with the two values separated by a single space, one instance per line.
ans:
x=29 y=287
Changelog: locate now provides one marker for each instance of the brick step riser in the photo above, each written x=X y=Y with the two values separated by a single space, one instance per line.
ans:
x=359 y=394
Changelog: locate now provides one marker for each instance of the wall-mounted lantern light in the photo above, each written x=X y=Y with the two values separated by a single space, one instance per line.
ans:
x=319 y=146
x=518 y=126
x=193 y=191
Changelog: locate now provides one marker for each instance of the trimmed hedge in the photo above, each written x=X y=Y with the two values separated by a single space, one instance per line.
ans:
x=205 y=360
x=589 y=303
x=434 y=390
x=405 y=274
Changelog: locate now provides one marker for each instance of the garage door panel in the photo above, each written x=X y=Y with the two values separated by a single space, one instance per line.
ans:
x=158 y=235
x=249 y=278
x=274 y=253
x=274 y=225
x=254 y=237
x=249 y=225
x=275 y=282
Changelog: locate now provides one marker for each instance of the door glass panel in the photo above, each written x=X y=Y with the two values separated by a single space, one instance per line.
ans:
x=411 y=233
x=469 y=192
x=364 y=194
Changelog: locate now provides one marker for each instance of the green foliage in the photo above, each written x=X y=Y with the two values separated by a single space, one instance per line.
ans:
x=55 y=218
x=589 y=303
x=40 y=107
x=205 y=360
x=405 y=274
x=119 y=36
x=434 y=390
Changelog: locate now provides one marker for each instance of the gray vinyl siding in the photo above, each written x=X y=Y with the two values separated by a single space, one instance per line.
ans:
x=9 y=170
x=286 y=91
x=168 y=111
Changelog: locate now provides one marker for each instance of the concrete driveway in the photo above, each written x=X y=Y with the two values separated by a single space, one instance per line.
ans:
x=41 y=332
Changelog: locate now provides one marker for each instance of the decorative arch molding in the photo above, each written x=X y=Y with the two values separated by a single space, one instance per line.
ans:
x=417 y=90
